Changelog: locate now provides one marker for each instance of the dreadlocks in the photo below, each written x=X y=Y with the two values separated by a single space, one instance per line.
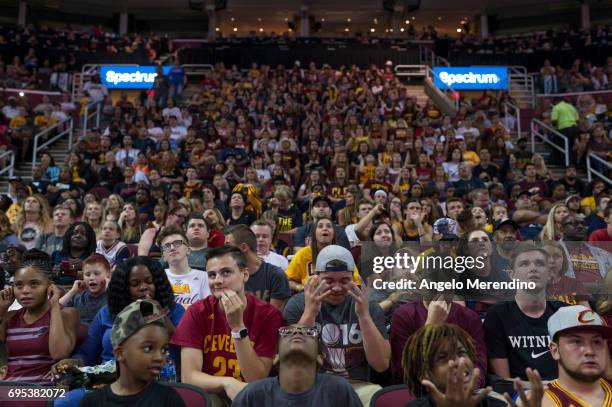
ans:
x=423 y=346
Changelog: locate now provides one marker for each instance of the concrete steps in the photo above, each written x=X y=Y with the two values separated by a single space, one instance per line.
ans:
x=58 y=150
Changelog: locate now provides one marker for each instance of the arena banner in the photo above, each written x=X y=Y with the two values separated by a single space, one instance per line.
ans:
x=471 y=77
x=130 y=77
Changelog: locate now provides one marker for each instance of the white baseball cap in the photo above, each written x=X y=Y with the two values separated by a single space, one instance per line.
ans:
x=577 y=317
x=335 y=253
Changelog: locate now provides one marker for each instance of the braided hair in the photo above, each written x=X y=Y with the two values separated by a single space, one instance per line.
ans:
x=39 y=261
x=119 y=287
x=422 y=347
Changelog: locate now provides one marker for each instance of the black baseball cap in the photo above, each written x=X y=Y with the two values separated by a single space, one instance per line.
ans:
x=504 y=222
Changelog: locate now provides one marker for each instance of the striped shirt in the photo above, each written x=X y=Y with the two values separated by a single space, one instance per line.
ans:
x=27 y=346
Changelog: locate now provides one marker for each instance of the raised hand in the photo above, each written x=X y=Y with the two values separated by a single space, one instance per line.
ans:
x=234 y=309
x=78 y=286
x=361 y=296
x=536 y=393
x=457 y=393
x=437 y=311
x=314 y=294
x=7 y=297
x=54 y=294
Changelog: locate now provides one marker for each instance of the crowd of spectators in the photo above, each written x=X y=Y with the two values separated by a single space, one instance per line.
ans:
x=263 y=195
x=31 y=55
x=580 y=77
x=528 y=43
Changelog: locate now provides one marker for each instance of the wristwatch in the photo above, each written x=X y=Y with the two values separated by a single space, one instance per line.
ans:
x=243 y=333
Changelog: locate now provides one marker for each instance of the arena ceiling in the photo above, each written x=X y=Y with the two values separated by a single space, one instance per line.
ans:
x=334 y=15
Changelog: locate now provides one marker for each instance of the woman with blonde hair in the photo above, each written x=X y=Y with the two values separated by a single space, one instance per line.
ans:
x=215 y=221
x=129 y=223
x=113 y=207
x=561 y=287
x=33 y=221
x=552 y=228
x=542 y=171
x=94 y=215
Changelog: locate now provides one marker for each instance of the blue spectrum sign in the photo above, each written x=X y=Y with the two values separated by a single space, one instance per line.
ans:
x=130 y=77
x=471 y=77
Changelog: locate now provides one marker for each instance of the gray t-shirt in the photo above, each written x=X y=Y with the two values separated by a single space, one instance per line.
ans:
x=197 y=259
x=270 y=282
x=88 y=305
x=328 y=391
x=50 y=243
x=340 y=336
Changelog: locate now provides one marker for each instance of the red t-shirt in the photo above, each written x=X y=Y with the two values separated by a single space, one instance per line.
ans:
x=600 y=235
x=204 y=326
x=216 y=238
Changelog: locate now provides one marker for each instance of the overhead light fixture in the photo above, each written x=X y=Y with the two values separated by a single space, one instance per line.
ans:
x=458 y=30
x=235 y=29
x=290 y=30
x=439 y=18
x=348 y=20
x=413 y=18
x=261 y=30
x=386 y=30
x=232 y=19
x=372 y=29
x=462 y=22
x=217 y=29
x=347 y=29
x=402 y=29
x=286 y=19
x=407 y=21
x=391 y=30
x=322 y=20
x=259 y=19
x=375 y=21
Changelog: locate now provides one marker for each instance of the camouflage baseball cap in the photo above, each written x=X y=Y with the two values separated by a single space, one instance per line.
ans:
x=133 y=318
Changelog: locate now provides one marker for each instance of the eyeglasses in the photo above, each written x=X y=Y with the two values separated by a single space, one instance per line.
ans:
x=291 y=330
x=176 y=244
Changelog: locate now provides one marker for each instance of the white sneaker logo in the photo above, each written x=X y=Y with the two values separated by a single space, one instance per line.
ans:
x=537 y=355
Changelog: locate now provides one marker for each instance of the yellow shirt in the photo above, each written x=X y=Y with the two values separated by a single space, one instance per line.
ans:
x=301 y=267
x=590 y=202
x=471 y=158
x=17 y=122
x=12 y=212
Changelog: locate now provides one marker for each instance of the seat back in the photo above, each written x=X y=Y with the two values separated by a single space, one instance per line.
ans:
x=133 y=249
x=192 y=396
x=393 y=396
x=287 y=238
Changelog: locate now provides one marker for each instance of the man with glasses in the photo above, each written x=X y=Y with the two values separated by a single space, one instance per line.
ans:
x=298 y=382
x=229 y=337
x=189 y=285
x=353 y=331
x=587 y=263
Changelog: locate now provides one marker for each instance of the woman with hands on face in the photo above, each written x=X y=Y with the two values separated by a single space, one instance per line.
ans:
x=42 y=313
x=438 y=363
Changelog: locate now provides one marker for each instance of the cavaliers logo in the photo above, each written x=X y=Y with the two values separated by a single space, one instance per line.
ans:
x=586 y=316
